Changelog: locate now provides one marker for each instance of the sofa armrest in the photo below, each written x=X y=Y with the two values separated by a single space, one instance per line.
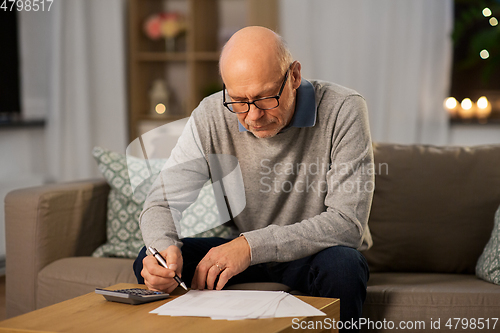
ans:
x=47 y=223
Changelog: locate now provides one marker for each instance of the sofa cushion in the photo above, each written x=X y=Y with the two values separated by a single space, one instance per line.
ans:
x=71 y=277
x=433 y=207
x=130 y=181
x=422 y=296
x=124 y=238
x=488 y=265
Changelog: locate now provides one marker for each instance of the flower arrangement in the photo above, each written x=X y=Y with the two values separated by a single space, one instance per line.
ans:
x=168 y=25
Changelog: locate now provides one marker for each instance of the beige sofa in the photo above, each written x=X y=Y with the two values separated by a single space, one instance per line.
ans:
x=431 y=216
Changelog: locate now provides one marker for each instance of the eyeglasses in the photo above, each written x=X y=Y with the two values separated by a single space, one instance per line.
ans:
x=265 y=103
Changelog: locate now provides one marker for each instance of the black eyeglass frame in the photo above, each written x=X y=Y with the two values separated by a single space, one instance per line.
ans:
x=277 y=97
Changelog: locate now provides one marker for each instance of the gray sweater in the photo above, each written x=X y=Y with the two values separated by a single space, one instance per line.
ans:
x=308 y=188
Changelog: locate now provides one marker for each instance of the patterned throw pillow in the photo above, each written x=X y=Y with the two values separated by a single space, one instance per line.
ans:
x=124 y=238
x=488 y=264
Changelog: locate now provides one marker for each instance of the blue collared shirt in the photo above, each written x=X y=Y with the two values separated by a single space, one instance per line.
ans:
x=305 y=108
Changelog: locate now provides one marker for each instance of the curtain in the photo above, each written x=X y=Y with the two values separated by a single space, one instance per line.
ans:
x=86 y=94
x=397 y=54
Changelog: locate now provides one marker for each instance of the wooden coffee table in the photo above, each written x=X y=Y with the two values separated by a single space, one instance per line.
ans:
x=92 y=313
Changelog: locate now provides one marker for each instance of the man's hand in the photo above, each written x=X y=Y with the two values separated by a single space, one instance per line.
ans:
x=224 y=261
x=157 y=277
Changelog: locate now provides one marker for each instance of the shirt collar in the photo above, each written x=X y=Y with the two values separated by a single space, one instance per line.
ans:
x=305 y=108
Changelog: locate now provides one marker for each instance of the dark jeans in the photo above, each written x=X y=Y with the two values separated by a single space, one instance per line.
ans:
x=337 y=272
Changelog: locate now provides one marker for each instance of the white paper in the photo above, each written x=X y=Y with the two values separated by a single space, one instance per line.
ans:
x=236 y=305
x=291 y=306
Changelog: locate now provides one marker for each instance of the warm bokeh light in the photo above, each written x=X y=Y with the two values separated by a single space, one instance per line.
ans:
x=467 y=109
x=160 y=108
x=486 y=12
x=484 y=54
x=450 y=103
x=482 y=102
x=493 y=21
x=483 y=108
x=466 y=104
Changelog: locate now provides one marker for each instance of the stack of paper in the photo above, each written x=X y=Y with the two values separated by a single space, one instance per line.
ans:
x=237 y=304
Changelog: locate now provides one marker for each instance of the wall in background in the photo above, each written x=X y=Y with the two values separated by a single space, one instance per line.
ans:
x=35 y=53
x=473 y=134
x=22 y=164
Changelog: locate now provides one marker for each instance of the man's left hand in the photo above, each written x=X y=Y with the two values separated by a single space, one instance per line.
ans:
x=224 y=261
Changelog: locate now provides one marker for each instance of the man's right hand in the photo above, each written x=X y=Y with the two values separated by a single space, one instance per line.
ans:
x=157 y=277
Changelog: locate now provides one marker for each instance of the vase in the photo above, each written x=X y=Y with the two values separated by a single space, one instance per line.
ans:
x=170 y=44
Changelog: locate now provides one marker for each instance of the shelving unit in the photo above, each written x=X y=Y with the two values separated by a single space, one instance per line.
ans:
x=191 y=72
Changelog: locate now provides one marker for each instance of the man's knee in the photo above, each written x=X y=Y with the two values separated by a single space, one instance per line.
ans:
x=342 y=258
x=342 y=264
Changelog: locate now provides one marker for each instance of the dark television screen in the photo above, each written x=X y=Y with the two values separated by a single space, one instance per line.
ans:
x=9 y=64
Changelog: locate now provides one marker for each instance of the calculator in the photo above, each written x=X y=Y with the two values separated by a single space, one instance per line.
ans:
x=132 y=296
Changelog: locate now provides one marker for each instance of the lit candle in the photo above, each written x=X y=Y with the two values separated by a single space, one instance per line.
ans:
x=159 y=98
x=451 y=105
x=483 y=110
x=468 y=109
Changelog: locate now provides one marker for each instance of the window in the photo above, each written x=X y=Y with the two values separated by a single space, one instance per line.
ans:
x=476 y=60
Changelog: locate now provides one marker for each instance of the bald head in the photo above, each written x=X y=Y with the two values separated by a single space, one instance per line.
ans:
x=254 y=53
x=253 y=65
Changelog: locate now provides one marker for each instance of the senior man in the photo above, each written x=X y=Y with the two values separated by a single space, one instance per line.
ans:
x=306 y=159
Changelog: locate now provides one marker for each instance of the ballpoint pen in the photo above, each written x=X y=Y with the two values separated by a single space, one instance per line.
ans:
x=162 y=262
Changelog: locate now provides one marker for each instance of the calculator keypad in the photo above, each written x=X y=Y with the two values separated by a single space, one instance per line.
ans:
x=138 y=291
